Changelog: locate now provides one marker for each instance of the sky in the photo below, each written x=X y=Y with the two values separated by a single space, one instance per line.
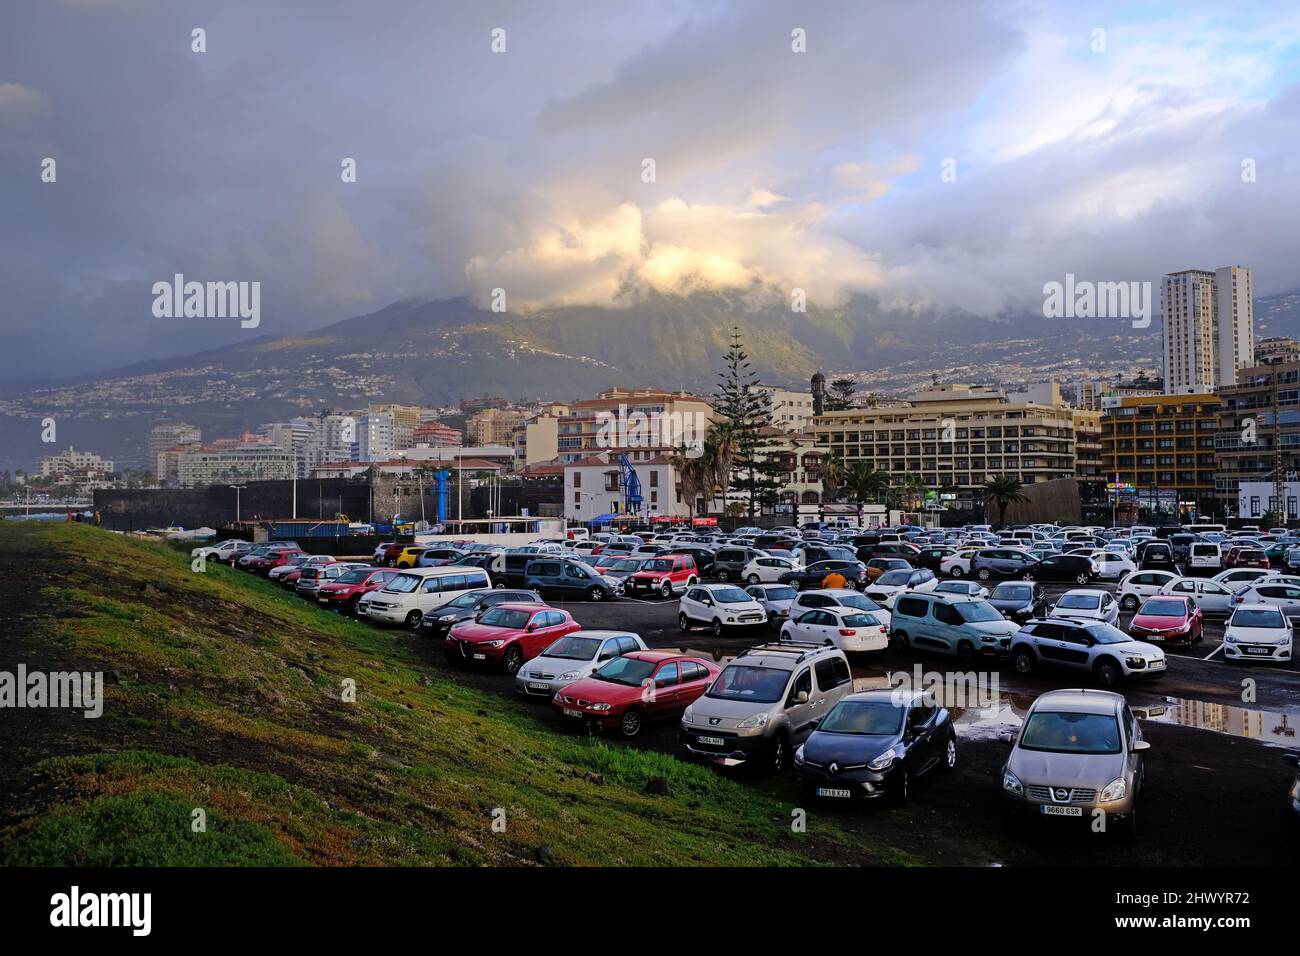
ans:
x=955 y=154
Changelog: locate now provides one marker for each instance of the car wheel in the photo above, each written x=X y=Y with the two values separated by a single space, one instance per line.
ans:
x=983 y=574
x=666 y=589
x=392 y=562
x=413 y=619
x=596 y=594
x=1022 y=661
x=1200 y=635
x=752 y=579
x=900 y=640
x=1082 y=578
x=779 y=754
x=684 y=623
x=500 y=586
x=903 y=787
x=630 y=725
x=514 y=660
x=717 y=627
x=965 y=653
x=1129 y=602
x=950 y=753
x=1108 y=672
x=796 y=585
x=723 y=574
x=956 y=571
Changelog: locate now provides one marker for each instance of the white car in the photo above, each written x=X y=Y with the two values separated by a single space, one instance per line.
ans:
x=848 y=628
x=1087 y=604
x=886 y=588
x=965 y=588
x=222 y=551
x=1140 y=585
x=1259 y=632
x=722 y=607
x=1211 y=596
x=766 y=570
x=958 y=563
x=572 y=658
x=1234 y=578
x=1276 y=592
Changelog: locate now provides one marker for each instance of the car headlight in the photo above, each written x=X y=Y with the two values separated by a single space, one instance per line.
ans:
x=601 y=706
x=758 y=720
x=493 y=643
x=798 y=755
x=884 y=761
x=1230 y=638
x=1115 y=790
x=570 y=675
x=1011 y=783
x=447 y=617
x=688 y=715
x=1136 y=662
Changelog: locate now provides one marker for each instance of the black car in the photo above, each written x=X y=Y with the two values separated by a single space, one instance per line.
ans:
x=873 y=745
x=703 y=555
x=855 y=574
x=1062 y=567
x=440 y=620
x=891 y=549
x=932 y=556
x=1157 y=556
x=1019 y=601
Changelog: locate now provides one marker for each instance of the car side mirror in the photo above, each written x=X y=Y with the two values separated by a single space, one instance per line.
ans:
x=801 y=697
x=814 y=724
x=1140 y=746
x=531 y=627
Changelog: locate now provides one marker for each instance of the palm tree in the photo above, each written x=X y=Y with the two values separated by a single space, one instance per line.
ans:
x=833 y=473
x=865 y=482
x=1002 y=491
x=910 y=488
x=693 y=474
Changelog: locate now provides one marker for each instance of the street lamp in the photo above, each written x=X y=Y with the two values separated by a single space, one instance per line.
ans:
x=238 y=489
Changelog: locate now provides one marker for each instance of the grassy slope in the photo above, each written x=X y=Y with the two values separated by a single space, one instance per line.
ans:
x=225 y=695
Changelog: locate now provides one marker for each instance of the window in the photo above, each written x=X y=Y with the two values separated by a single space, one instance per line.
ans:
x=667 y=675
x=692 y=671
x=802 y=685
x=827 y=677
x=911 y=607
x=626 y=645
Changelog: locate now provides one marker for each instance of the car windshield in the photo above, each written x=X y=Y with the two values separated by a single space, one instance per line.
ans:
x=1013 y=592
x=657 y=564
x=504 y=617
x=860 y=620
x=1068 y=733
x=354 y=577
x=1258 y=617
x=626 y=670
x=402 y=584
x=730 y=596
x=627 y=564
x=1079 y=602
x=465 y=601
x=1164 y=608
x=764 y=685
x=894 y=578
x=779 y=594
x=857 y=601
x=1107 y=634
x=977 y=612
x=878 y=718
x=574 y=648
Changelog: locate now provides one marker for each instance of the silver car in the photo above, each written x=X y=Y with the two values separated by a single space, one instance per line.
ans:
x=1079 y=756
x=1093 y=647
x=776 y=600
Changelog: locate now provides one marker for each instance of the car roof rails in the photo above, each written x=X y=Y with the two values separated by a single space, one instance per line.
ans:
x=798 y=649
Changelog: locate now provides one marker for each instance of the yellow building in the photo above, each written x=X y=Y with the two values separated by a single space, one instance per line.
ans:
x=1162 y=448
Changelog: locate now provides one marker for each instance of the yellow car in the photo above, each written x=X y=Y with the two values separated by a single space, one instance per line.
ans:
x=409 y=555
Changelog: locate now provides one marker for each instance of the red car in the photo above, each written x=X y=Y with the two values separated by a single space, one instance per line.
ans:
x=342 y=594
x=663 y=575
x=264 y=563
x=387 y=553
x=1246 y=558
x=507 y=635
x=1166 y=619
x=638 y=687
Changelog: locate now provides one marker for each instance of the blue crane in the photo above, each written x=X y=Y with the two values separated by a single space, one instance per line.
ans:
x=631 y=486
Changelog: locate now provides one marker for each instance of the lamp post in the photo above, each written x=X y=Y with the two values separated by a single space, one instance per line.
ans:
x=238 y=489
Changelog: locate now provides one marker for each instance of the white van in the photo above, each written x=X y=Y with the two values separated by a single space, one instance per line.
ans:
x=413 y=593
x=1205 y=555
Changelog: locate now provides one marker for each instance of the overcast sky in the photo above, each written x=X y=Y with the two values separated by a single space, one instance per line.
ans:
x=524 y=169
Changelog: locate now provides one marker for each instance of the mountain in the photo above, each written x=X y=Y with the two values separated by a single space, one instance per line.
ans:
x=438 y=352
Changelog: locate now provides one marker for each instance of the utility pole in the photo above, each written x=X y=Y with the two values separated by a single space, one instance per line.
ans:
x=1279 y=489
x=238 y=489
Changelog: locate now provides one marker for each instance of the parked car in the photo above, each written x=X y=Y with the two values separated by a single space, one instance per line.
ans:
x=1019 y=601
x=1087 y=604
x=506 y=636
x=776 y=600
x=1063 y=567
x=1078 y=751
x=226 y=550
x=1157 y=556
x=571 y=658
x=967 y=588
x=409 y=595
x=664 y=575
x=874 y=744
x=311 y=577
x=878 y=566
x=950 y=624
x=1293 y=794
x=635 y=689
x=437 y=557
x=343 y=593
x=263 y=563
x=1234 y=578
x=932 y=556
x=1246 y=557
x=722 y=607
x=1205 y=557
x=991 y=563
x=1095 y=648
x=1258 y=632
x=764 y=704
x=260 y=551
x=729 y=563
x=1280 y=593
x=847 y=628
x=886 y=588
x=767 y=570
x=1168 y=619
x=1140 y=585
x=469 y=605
x=1210 y=596
x=835 y=597
x=703 y=555
x=569 y=578
x=295 y=563
x=853 y=572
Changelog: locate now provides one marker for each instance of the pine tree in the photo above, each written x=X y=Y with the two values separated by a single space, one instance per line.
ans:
x=841 y=393
x=743 y=413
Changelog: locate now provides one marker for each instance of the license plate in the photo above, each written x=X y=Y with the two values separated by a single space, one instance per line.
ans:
x=569 y=712
x=1157 y=665
x=538 y=685
x=480 y=657
x=1257 y=650
x=323 y=600
x=832 y=792
x=1154 y=637
x=713 y=741
x=1061 y=811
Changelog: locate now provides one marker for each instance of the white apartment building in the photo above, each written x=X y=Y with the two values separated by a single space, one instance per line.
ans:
x=246 y=462
x=594 y=487
x=167 y=435
x=1209 y=328
x=791 y=410
x=332 y=439
x=375 y=437
x=71 y=463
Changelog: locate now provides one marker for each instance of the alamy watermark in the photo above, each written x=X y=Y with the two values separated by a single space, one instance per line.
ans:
x=967 y=690
x=208 y=300
x=638 y=429
x=1084 y=299
x=63 y=689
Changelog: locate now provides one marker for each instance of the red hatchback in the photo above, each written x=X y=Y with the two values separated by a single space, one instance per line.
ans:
x=263 y=564
x=1166 y=619
x=663 y=575
x=638 y=687
x=1246 y=558
x=507 y=635
x=343 y=593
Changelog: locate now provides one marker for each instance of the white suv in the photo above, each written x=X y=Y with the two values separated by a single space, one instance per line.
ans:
x=722 y=607
x=847 y=628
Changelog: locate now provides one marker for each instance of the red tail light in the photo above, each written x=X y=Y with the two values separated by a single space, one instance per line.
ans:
x=847 y=632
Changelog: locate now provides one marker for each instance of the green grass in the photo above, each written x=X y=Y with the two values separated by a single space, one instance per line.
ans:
x=225 y=695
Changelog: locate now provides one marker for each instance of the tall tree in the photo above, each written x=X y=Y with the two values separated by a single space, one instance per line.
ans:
x=865 y=482
x=743 y=413
x=840 y=395
x=833 y=474
x=1002 y=491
